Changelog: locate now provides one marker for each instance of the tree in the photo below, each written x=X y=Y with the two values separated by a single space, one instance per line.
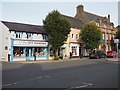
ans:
x=117 y=36
x=58 y=29
x=91 y=35
x=118 y=33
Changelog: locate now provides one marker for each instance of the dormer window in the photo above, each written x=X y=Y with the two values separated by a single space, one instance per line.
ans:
x=44 y=37
x=17 y=35
x=28 y=35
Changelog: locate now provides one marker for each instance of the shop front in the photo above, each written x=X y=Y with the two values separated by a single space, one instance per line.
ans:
x=23 y=50
x=74 y=49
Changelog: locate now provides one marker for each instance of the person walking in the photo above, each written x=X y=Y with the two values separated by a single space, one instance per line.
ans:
x=70 y=55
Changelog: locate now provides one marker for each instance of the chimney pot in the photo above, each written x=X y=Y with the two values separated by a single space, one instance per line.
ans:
x=109 y=17
x=80 y=9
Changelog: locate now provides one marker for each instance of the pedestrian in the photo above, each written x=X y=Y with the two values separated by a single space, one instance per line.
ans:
x=34 y=56
x=70 y=55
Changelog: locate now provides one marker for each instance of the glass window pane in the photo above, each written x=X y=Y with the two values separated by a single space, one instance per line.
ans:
x=16 y=51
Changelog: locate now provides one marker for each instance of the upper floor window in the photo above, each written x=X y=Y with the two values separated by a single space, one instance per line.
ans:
x=106 y=36
x=44 y=37
x=28 y=35
x=77 y=36
x=72 y=36
x=18 y=35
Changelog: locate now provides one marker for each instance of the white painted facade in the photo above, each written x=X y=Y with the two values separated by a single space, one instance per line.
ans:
x=21 y=40
x=76 y=49
x=4 y=42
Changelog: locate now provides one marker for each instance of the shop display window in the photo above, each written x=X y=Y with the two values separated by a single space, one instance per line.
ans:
x=28 y=51
x=41 y=52
x=74 y=50
x=18 y=52
x=22 y=52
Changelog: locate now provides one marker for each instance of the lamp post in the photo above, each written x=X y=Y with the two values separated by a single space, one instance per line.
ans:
x=117 y=42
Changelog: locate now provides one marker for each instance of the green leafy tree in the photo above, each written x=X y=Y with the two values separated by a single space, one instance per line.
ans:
x=118 y=33
x=58 y=29
x=91 y=35
x=117 y=36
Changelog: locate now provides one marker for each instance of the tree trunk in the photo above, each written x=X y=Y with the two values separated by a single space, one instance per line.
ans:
x=56 y=54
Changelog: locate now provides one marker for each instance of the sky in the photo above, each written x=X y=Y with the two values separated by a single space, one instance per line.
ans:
x=35 y=12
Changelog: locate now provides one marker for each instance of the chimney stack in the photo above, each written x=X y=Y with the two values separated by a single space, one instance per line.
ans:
x=109 y=17
x=80 y=9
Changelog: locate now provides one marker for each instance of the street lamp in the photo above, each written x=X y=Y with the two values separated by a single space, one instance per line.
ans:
x=117 y=42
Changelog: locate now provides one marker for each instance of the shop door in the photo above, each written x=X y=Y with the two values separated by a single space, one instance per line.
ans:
x=27 y=53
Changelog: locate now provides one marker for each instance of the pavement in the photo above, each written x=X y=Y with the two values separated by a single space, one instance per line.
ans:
x=63 y=60
x=113 y=59
x=43 y=61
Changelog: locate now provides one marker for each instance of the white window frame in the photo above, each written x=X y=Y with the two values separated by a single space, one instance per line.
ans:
x=77 y=36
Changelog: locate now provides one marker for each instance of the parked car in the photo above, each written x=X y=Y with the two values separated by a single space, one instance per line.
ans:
x=111 y=54
x=97 y=54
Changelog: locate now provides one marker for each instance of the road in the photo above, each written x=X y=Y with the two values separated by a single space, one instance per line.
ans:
x=86 y=73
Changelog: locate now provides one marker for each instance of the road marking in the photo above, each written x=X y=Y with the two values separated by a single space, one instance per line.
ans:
x=25 y=81
x=47 y=76
x=83 y=86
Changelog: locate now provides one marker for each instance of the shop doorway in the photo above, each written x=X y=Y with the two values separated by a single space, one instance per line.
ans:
x=28 y=51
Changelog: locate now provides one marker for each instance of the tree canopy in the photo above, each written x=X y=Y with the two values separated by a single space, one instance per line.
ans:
x=57 y=28
x=118 y=33
x=91 y=35
x=117 y=36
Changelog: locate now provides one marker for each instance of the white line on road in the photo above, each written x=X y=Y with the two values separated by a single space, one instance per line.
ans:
x=83 y=86
x=25 y=81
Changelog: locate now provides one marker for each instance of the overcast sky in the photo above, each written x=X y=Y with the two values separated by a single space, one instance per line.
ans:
x=35 y=12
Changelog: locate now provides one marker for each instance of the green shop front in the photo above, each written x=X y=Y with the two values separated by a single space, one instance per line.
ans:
x=25 y=50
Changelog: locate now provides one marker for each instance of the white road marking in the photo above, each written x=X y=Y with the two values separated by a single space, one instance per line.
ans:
x=83 y=86
x=25 y=81
x=47 y=76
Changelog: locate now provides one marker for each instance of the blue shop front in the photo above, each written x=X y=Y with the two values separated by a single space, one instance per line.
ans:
x=25 y=50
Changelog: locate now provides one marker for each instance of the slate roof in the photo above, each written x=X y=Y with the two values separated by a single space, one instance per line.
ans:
x=20 y=27
x=74 y=22
x=90 y=16
x=86 y=16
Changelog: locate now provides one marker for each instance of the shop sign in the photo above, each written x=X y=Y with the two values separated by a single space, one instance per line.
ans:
x=30 y=43
x=103 y=40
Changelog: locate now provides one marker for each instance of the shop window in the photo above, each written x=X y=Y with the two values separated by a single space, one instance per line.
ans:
x=18 y=52
x=22 y=52
x=74 y=50
x=41 y=52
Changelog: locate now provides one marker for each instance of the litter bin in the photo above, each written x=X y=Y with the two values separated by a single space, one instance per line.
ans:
x=8 y=57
